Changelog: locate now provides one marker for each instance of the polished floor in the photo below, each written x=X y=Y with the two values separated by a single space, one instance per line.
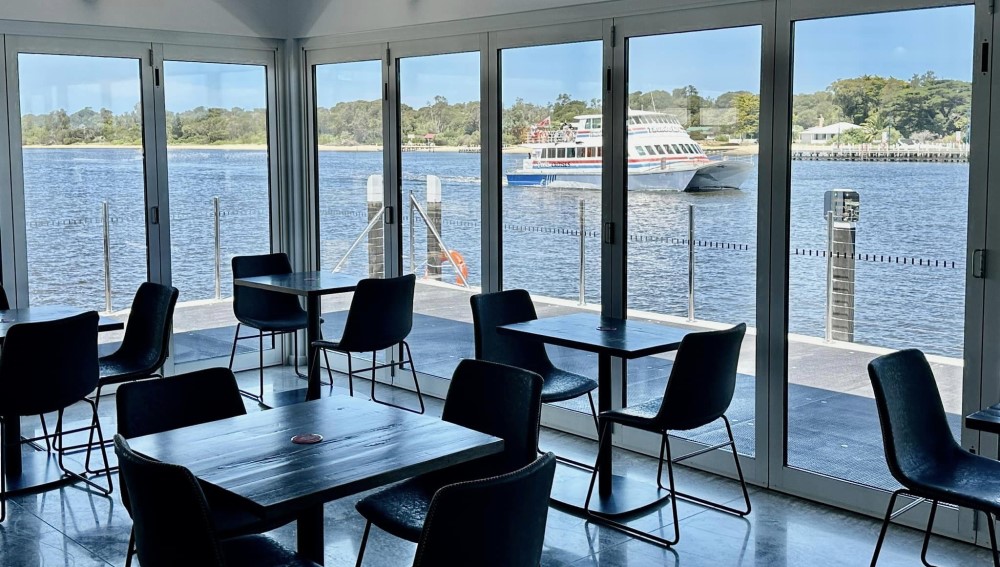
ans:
x=72 y=526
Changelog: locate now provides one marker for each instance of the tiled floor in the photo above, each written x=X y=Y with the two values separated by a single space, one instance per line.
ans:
x=72 y=526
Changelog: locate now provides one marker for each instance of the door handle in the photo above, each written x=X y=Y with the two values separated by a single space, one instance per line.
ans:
x=979 y=263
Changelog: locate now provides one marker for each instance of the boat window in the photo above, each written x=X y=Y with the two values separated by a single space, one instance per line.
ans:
x=676 y=149
x=597 y=123
x=571 y=152
x=659 y=150
x=640 y=151
x=650 y=150
x=561 y=152
x=599 y=152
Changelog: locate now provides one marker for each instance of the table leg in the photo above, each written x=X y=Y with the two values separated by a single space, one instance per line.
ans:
x=604 y=404
x=11 y=446
x=313 y=310
x=309 y=528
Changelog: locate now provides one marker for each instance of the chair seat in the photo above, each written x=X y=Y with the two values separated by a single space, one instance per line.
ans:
x=260 y=551
x=640 y=416
x=559 y=385
x=114 y=369
x=285 y=324
x=402 y=509
x=969 y=480
x=332 y=345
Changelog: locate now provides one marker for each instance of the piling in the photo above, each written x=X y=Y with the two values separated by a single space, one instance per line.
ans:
x=376 y=236
x=842 y=210
x=435 y=257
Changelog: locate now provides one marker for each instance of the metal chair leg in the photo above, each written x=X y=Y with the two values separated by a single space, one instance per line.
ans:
x=232 y=354
x=131 y=548
x=885 y=526
x=416 y=383
x=567 y=460
x=100 y=438
x=364 y=543
x=3 y=473
x=927 y=534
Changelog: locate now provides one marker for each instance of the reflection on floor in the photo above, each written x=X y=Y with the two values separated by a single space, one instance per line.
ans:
x=72 y=526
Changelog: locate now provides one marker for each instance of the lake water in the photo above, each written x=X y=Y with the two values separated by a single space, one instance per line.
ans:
x=907 y=210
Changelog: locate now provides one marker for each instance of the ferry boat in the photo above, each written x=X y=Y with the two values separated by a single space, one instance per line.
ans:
x=661 y=156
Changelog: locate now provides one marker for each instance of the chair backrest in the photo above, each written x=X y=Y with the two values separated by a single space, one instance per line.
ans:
x=170 y=514
x=48 y=366
x=498 y=400
x=490 y=310
x=702 y=380
x=915 y=430
x=261 y=304
x=151 y=406
x=147 y=335
x=381 y=314
x=493 y=522
x=4 y=304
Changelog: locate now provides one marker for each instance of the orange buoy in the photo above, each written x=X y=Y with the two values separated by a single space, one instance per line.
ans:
x=459 y=261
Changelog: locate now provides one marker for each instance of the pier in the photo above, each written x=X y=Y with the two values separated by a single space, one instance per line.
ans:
x=926 y=155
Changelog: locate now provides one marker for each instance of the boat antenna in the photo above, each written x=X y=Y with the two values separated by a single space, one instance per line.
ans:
x=652 y=101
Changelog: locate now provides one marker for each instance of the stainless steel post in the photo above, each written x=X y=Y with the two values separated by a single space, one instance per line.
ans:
x=583 y=253
x=690 y=262
x=829 y=276
x=107 y=257
x=413 y=254
x=218 y=250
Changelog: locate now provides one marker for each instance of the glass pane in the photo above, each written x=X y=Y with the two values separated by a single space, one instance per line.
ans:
x=218 y=175
x=84 y=181
x=348 y=117
x=551 y=104
x=880 y=178
x=692 y=201
x=442 y=184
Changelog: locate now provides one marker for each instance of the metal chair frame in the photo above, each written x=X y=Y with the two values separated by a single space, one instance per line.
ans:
x=401 y=364
x=259 y=397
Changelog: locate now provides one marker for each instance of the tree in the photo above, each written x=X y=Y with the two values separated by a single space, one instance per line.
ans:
x=747 y=114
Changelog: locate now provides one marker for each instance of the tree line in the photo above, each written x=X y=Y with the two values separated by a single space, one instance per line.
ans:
x=923 y=108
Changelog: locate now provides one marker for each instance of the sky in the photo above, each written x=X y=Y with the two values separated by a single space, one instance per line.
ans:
x=897 y=44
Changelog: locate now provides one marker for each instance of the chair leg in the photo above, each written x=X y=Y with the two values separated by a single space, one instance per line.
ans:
x=416 y=383
x=885 y=526
x=232 y=355
x=927 y=534
x=350 y=375
x=131 y=548
x=364 y=543
x=990 y=520
x=100 y=439
x=739 y=473
x=260 y=369
x=3 y=474
x=598 y=518
x=567 y=460
x=329 y=369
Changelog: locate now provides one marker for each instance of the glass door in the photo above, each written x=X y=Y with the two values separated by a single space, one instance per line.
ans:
x=83 y=190
x=219 y=175
x=880 y=237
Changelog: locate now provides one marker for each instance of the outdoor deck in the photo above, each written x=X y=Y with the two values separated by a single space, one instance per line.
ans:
x=832 y=417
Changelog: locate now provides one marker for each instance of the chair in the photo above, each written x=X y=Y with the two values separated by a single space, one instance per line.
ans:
x=699 y=390
x=490 y=310
x=182 y=400
x=380 y=317
x=47 y=367
x=270 y=312
x=144 y=347
x=173 y=522
x=495 y=399
x=506 y=528
x=4 y=304
x=920 y=450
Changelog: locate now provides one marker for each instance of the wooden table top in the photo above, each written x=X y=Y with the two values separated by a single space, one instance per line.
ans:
x=365 y=445
x=303 y=283
x=40 y=313
x=604 y=335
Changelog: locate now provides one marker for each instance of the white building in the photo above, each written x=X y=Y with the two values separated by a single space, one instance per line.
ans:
x=823 y=134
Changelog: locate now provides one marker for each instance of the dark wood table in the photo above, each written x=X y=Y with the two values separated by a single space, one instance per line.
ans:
x=35 y=469
x=312 y=286
x=987 y=420
x=364 y=446
x=608 y=337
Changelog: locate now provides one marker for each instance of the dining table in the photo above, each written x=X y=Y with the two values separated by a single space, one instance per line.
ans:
x=608 y=337
x=312 y=286
x=28 y=471
x=361 y=446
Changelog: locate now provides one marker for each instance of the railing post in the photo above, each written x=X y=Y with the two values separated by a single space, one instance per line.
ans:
x=218 y=250
x=413 y=253
x=690 y=262
x=107 y=258
x=583 y=254
x=829 y=276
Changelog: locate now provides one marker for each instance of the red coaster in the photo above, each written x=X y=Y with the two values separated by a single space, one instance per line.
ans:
x=307 y=439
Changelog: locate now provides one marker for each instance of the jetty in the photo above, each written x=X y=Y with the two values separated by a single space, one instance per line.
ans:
x=926 y=155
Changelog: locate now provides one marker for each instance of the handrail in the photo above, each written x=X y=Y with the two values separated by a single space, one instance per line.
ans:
x=434 y=232
x=371 y=224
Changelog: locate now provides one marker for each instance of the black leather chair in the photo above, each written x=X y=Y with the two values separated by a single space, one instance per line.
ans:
x=380 y=317
x=144 y=347
x=173 y=522
x=495 y=399
x=47 y=367
x=493 y=522
x=4 y=304
x=490 y=310
x=920 y=450
x=699 y=390
x=182 y=400
x=270 y=312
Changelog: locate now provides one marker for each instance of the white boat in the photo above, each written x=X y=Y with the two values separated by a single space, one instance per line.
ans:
x=661 y=156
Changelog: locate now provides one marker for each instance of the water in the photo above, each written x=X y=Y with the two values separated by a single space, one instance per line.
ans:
x=907 y=210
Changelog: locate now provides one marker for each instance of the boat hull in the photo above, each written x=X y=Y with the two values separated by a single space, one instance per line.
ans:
x=730 y=174
x=712 y=176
